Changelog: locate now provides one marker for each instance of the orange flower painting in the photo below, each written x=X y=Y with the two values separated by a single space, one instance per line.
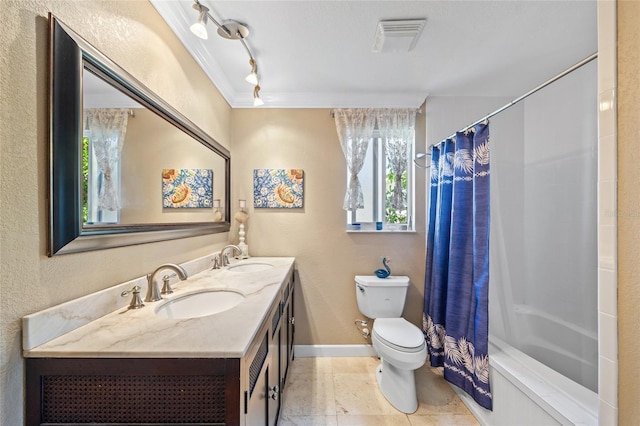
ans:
x=278 y=188
x=187 y=188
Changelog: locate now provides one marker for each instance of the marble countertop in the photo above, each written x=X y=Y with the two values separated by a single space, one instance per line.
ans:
x=135 y=333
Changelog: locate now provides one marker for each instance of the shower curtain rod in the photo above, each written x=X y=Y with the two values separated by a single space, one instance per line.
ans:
x=423 y=155
x=530 y=92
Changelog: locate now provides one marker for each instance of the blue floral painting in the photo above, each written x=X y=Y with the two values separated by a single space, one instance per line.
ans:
x=187 y=188
x=278 y=188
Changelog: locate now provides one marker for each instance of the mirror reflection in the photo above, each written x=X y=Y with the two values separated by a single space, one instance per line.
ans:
x=139 y=168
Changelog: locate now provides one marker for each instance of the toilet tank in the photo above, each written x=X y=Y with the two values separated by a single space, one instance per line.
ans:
x=381 y=297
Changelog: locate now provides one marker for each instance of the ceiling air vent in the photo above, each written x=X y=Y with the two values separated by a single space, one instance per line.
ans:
x=397 y=35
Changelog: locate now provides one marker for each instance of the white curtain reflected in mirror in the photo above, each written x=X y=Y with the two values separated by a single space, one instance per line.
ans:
x=103 y=139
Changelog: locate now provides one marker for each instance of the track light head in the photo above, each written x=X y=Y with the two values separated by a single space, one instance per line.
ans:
x=256 y=97
x=252 y=78
x=200 y=27
x=253 y=75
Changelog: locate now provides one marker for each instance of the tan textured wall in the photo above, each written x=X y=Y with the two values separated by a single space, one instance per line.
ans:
x=141 y=167
x=327 y=257
x=133 y=35
x=628 y=202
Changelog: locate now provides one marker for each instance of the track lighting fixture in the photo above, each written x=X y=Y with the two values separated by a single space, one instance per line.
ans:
x=231 y=30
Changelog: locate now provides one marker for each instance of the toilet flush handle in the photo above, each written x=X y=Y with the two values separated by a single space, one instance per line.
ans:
x=360 y=288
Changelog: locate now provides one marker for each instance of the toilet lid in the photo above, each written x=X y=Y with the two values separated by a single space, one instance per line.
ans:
x=400 y=333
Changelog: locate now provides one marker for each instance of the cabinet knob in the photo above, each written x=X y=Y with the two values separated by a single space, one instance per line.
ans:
x=273 y=392
x=292 y=321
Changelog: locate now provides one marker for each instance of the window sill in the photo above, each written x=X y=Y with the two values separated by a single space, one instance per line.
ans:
x=386 y=229
x=381 y=231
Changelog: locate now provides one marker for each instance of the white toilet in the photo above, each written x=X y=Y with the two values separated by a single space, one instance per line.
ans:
x=399 y=344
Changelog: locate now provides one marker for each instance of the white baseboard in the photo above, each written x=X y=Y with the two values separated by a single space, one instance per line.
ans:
x=317 y=351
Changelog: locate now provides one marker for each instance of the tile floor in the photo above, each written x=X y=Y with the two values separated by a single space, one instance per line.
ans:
x=344 y=391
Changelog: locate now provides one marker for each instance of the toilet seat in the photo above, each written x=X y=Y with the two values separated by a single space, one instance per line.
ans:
x=399 y=334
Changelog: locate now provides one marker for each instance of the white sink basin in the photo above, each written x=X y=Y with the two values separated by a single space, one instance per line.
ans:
x=250 y=267
x=200 y=304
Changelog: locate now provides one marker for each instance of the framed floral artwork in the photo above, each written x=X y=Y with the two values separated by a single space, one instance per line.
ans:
x=187 y=188
x=278 y=188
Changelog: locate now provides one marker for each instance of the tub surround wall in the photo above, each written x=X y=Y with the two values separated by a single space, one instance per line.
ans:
x=527 y=164
x=132 y=34
x=327 y=257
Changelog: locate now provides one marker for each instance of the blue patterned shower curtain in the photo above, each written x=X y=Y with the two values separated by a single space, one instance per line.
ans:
x=456 y=317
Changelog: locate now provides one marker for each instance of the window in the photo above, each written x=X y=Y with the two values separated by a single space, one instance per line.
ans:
x=377 y=145
x=378 y=182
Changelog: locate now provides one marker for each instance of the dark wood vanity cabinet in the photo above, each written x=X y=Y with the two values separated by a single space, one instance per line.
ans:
x=268 y=362
x=161 y=391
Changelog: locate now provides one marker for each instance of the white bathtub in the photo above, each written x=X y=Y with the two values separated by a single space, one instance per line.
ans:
x=526 y=392
x=565 y=347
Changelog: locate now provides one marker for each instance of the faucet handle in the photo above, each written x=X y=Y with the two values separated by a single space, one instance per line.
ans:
x=216 y=261
x=166 y=287
x=136 y=301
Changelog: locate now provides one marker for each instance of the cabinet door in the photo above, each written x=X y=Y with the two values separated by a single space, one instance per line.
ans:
x=274 y=366
x=256 y=394
x=291 y=326
x=273 y=386
x=258 y=401
x=159 y=391
x=286 y=344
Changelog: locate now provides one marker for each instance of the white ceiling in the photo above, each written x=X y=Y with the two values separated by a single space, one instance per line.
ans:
x=318 y=54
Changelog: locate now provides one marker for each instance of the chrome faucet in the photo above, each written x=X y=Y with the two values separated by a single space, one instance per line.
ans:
x=153 y=295
x=225 y=258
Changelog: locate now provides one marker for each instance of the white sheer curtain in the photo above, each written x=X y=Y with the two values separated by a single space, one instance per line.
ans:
x=108 y=127
x=397 y=130
x=355 y=129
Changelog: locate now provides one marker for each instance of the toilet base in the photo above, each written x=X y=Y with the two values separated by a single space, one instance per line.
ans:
x=398 y=386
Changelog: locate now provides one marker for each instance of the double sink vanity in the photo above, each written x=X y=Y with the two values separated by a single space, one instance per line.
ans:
x=215 y=351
